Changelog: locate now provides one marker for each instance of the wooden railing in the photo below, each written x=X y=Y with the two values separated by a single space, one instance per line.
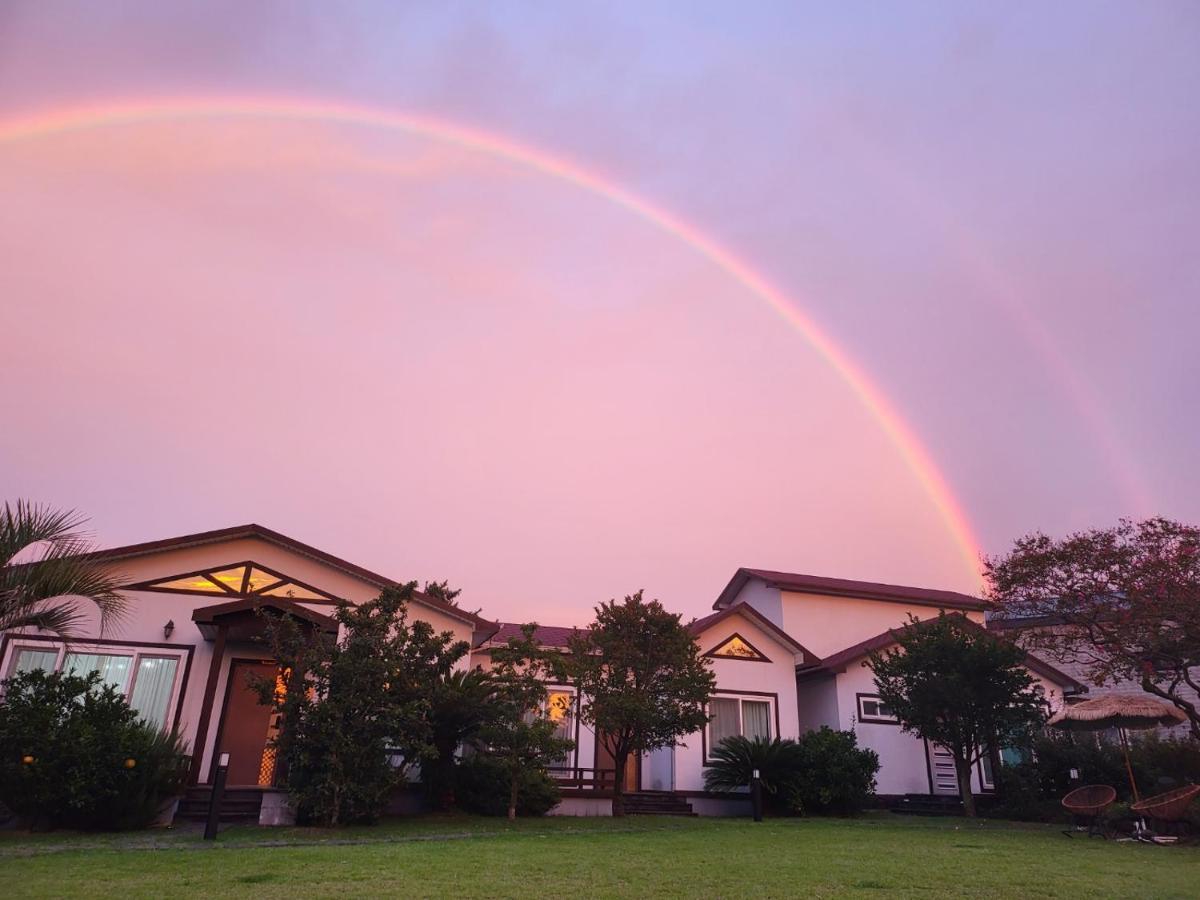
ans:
x=583 y=779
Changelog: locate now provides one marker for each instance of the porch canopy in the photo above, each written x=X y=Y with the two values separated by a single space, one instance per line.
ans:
x=241 y=620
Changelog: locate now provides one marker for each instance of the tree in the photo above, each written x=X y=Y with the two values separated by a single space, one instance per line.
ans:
x=735 y=760
x=1123 y=601
x=58 y=566
x=521 y=733
x=645 y=681
x=950 y=682
x=441 y=590
x=461 y=705
x=352 y=705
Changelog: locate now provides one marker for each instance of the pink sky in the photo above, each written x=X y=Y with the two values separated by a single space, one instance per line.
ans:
x=442 y=365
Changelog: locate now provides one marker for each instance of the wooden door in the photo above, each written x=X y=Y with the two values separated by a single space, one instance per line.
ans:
x=246 y=725
x=604 y=760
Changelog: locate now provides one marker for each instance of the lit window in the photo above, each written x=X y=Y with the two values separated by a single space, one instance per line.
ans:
x=873 y=710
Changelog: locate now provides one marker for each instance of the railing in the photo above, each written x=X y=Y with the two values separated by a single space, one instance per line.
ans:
x=583 y=779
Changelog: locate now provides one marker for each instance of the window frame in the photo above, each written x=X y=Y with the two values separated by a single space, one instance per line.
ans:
x=865 y=719
x=768 y=697
x=572 y=758
x=13 y=644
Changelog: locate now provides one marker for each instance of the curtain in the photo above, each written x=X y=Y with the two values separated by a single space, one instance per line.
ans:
x=113 y=670
x=152 y=688
x=30 y=660
x=724 y=722
x=756 y=719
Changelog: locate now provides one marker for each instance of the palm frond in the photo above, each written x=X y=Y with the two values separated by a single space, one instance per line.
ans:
x=60 y=568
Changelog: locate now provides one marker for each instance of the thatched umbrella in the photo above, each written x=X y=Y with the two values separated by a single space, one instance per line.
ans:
x=1120 y=711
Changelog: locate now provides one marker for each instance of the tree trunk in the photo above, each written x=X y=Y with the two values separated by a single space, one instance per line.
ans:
x=618 y=804
x=962 y=768
x=512 y=798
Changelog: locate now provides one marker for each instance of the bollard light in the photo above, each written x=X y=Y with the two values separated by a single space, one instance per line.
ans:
x=130 y=763
x=28 y=760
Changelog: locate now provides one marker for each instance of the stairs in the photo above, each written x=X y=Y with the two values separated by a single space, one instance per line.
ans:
x=238 y=805
x=929 y=805
x=657 y=803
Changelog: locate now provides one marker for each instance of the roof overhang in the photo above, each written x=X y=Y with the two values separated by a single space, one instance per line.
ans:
x=244 y=619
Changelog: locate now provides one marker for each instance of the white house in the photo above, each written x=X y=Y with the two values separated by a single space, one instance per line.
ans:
x=786 y=649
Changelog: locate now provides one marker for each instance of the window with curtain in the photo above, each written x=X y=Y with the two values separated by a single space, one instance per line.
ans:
x=146 y=680
x=152 y=687
x=756 y=719
x=113 y=669
x=28 y=659
x=730 y=716
x=725 y=720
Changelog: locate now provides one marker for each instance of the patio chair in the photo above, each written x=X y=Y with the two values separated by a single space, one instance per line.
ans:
x=1166 y=811
x=1086 y=805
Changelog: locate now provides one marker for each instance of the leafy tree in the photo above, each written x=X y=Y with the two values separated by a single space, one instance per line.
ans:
x=835 y=775
x=350 y=705
x=521 y=734
x=644 y=678
x=1123 y=601
x=441 y=590
x=461 y=705
x=73 y=753
x=950 y=682
x=33 y=592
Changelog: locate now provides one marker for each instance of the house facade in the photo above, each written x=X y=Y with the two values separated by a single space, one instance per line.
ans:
x=787 y=652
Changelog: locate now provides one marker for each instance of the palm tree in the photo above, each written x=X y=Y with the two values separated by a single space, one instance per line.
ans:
x=462 y=703
x=44 y=590
x=735 y=759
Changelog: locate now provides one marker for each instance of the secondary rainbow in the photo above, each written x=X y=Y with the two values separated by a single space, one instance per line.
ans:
x=912 y=451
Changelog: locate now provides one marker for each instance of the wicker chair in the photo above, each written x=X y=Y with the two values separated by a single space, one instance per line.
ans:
x=1086 y=804
x=1166 y=810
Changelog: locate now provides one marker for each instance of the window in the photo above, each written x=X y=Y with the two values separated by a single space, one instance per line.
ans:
x=872 y=710
x=147 y=680
x=27 y=659
x=730 y=716
x=560 y=708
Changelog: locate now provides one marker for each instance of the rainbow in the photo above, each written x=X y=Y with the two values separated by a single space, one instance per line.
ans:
x=916 y=457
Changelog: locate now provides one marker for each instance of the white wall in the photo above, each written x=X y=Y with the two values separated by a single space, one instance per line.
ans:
x=773 y=681
x=149 y=611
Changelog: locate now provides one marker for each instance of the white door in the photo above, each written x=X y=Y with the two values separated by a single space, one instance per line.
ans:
x=941 y=763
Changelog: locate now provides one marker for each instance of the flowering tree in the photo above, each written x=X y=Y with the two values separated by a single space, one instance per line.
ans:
x=1123 y=601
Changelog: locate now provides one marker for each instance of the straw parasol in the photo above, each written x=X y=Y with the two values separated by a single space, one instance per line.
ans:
x=1120 y=711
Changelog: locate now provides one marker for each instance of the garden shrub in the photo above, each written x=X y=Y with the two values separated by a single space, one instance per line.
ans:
x=834 y=775
x=74 y=754
x=734 y=760
x=1033 y=790
x=482 y=786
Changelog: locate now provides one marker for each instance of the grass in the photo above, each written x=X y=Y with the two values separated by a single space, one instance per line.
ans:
x=637 y=856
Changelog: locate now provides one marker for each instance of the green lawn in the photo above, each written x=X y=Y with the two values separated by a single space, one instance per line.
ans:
x=634 y=857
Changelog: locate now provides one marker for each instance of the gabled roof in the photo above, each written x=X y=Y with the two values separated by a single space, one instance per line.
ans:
x=554 y=636
x=842 y=587
x=282 y=540
x=838 y=662
x=699 y=626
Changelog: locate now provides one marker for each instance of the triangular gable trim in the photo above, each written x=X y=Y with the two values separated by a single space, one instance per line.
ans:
x=240 y=579
x=737 y=647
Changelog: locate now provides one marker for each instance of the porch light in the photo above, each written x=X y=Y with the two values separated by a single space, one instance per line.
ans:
x=28 y=760
x=130 y=763
x=168 y=629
